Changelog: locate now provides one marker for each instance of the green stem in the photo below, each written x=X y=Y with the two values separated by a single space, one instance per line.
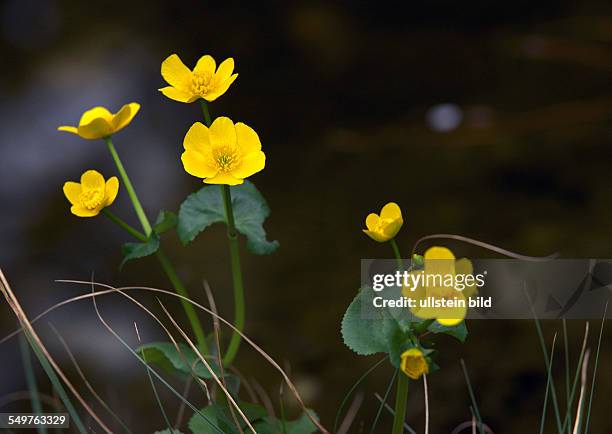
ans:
x=205 y=112
x=239 y=309
x=180 y=289
x=401 y=396
x=123 y=225
x=144 y=221
x=193 y=318
x=401 y=399
x=232 y=236
x=396 y=252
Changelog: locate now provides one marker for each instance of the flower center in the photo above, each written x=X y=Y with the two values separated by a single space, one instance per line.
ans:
x=91 y=199
x=200 y=82
x=382 y=224
x=226 y=158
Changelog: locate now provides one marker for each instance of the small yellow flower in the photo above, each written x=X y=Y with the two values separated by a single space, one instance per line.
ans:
x=92 y=194
x=440 y=265
x=98 y=122
x=205 y=81
x=386 y=226
x=414 y=364
x=224 y=153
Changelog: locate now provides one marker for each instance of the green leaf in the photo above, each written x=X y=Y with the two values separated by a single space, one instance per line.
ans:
x=222 y=418
x=205 y=207
x=165 y=221
x=164 y=355
x=303 y=425
x=167 y=431
x=363 y=335
x=139 y=250
x=459 y=331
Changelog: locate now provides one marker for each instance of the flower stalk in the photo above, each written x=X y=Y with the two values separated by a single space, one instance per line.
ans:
x=232 y=237
x=167 y=266
x=401 y=395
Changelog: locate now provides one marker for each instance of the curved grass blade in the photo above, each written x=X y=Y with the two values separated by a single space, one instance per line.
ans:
x=352 y=389
x=548 y=382
x=383 y=402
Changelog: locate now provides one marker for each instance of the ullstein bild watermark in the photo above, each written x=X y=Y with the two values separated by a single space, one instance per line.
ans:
x=488 y=288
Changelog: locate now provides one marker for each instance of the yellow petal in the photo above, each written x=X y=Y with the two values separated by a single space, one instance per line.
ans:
x=248 y=140
x=111 y=190
x=391 y=211
x=450 y=322
x=219 y=89
x=72 y=191
x=84 y=212
x=438 y=253
x=176 y=73
x=73 y=130
x=179 y=95
x=206 y=65
x=96 y=129
x=225 y=70
x=222 y=132
x=92 y=179
x=223 y=178
x=250 y=164
x=195 y=164
x=197 y=139
x=371 y=221
x=124 y=116
x=95 y=113
x=391 y=229
x=376 y=236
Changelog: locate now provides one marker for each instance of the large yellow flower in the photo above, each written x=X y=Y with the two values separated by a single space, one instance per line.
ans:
x=438 y=284
x=205 y=81
x=98 y=122
x=414 y=364
x=386 y=226
x=224 y=153
x=92 y=195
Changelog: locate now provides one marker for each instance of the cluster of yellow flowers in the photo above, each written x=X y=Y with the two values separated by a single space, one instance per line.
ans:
x=384 y=227
x=221 y=153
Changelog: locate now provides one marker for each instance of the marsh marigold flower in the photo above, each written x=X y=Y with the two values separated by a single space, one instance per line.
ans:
x=205 y=81
x=414 y=364
x=440 y=282
x=98 y=122
x=92 y=195
x=224 y=153
x=386 y=226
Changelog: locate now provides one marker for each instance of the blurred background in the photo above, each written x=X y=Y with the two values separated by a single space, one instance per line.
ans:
x=491 y=120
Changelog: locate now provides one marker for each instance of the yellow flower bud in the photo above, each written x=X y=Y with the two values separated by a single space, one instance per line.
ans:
x=225 y=153
x=205 y=81
x=386 y=226
x=98 y=122
x=414 y=364
x=92 y=195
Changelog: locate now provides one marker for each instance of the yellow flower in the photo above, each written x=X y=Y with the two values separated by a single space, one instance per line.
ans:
x=386 y=226
x=92 y=194
x=440 y=270
x=98 y=122
x=224 y=153
x=414 y=364
x=205 y=81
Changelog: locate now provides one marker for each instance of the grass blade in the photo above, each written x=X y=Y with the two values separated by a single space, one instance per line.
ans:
x=383 y=401
x=31 y=380
x=352 y=389
x=548 y=383
x=472 y=397
x=588 y=415
x=566 y=424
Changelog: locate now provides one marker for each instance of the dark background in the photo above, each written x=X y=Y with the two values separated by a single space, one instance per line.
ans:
x=486 y=119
